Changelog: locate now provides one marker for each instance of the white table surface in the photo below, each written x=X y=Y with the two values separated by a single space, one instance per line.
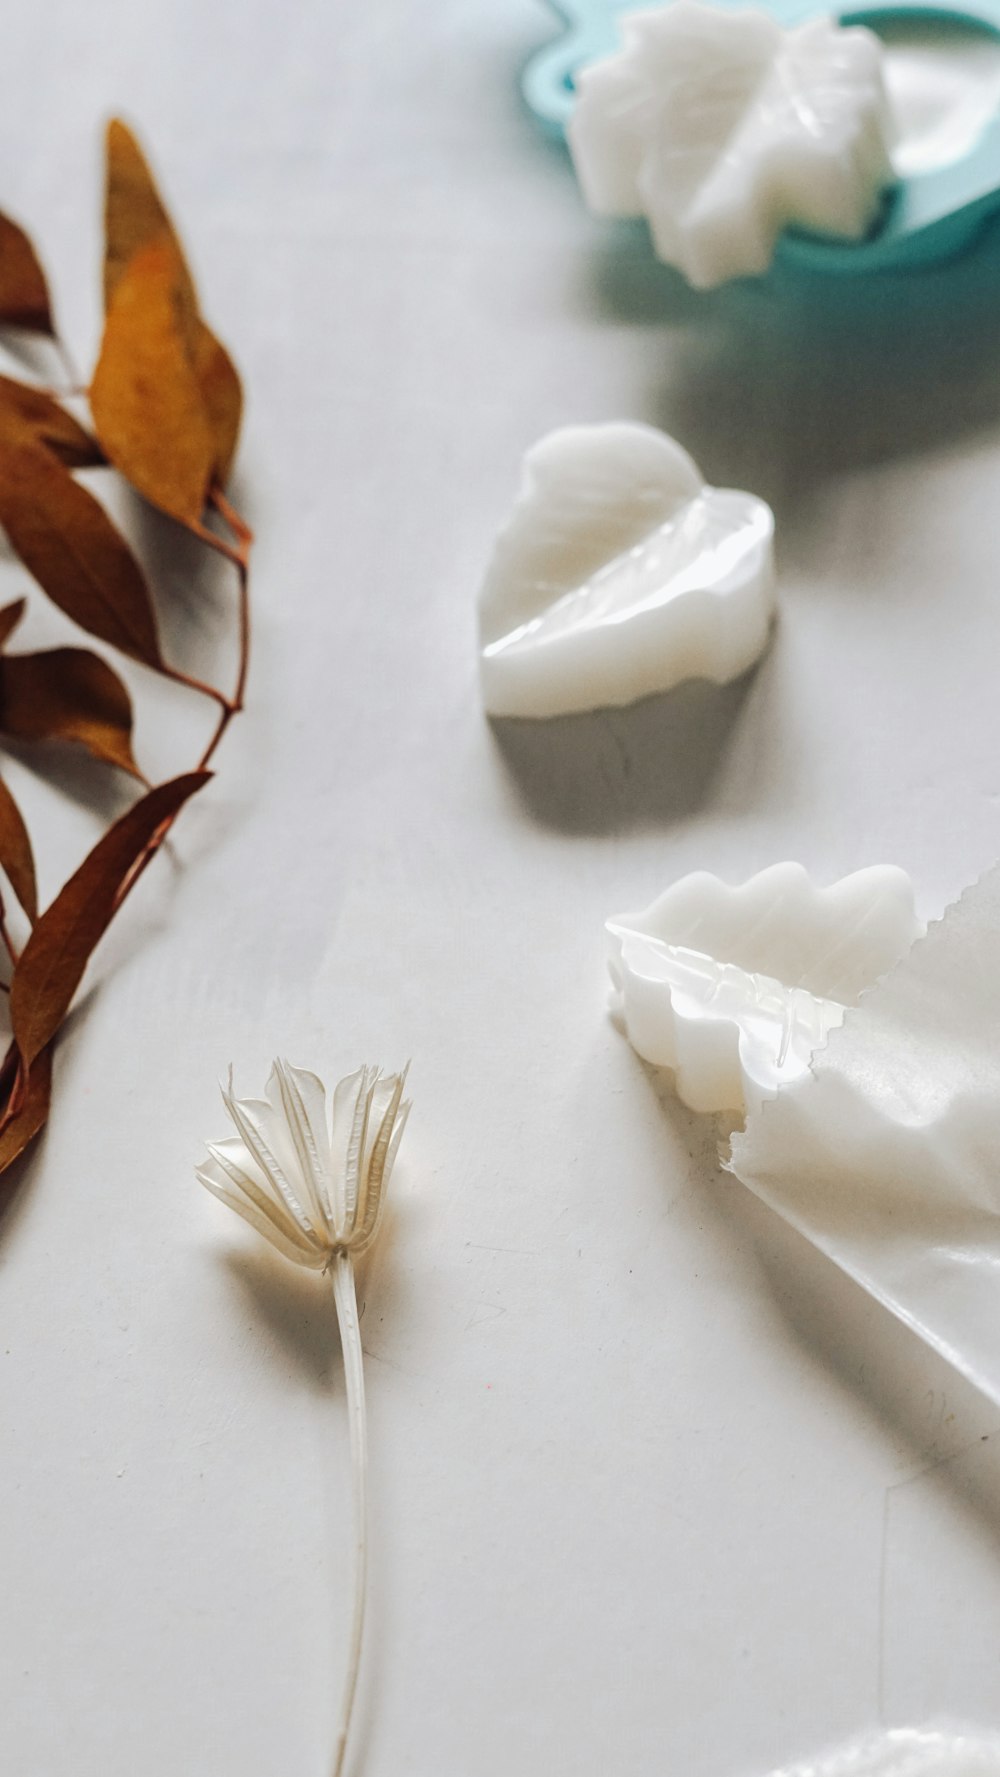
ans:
x=656 y=1493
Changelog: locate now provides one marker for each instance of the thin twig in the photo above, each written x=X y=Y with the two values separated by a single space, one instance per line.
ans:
x=236 y=522
x=346 y=1301
x=178 y=677
x=230 y=706
x=239 y=555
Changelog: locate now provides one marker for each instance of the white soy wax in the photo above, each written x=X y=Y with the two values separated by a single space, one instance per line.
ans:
x=620 y=573
x=723 y=129
x=734 y=988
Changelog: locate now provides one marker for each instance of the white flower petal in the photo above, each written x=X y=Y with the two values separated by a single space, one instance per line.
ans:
x=250 y=1118
x=284 y=1157
x=376 y=1176
x=297 y=1250
x=277 y=1132
x=356 y=1142
x=222 y=1168
x=347 y=1097
x=397 y=1136
x=303 y=1105
x=386 y=1087
x=234 y=1154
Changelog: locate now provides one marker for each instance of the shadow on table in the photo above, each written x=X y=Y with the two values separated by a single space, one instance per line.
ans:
x=296 y=1308
x=608 y=769
x=785 y=382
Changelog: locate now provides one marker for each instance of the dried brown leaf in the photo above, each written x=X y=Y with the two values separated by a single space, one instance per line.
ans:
x=148 y=406
x=16 y=857
x=50 y=424
x=66 y=539
x=24 y=294
x=10 y=617
x=223 y=397
x=136 y=218
x=20 y=1125
x=68 y=694
x=53 y=960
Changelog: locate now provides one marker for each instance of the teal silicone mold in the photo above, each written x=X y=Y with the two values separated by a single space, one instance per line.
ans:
x=928 y=217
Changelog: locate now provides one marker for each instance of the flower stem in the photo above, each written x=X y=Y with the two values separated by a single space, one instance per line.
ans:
x=346 y=1300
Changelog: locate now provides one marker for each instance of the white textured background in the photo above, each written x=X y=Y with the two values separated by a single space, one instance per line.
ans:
x=656 y=1494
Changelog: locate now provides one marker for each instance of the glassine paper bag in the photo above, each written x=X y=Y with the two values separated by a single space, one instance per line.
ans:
x=887 y=1154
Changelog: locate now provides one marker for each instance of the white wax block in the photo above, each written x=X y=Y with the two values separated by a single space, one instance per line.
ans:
x=887 y=1153
x=733 y=988
x=619 y=573
x=908 y=1752
x=723 y=129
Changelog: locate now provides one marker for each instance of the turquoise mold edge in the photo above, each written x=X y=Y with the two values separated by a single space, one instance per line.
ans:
x=928 y=217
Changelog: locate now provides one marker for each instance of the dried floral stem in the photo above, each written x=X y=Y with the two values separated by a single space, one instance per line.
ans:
x=239 y=555
x=237 y=524
x=178 y=677
x=320 y=1207
x=230 y=706
x=346 y=1301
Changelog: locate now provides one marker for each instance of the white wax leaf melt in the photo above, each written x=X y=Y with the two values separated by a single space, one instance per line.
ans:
x=908 y=1752
x=733 y=988
x=723 y=129
x=619 y=574
x=887 y=1153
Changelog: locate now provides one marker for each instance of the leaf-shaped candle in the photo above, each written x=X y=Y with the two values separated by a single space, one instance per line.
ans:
x=723 y=129
x=620 y=573
x=733 y=988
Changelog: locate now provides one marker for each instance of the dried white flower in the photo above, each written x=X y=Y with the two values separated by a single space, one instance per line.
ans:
x=315 y=1185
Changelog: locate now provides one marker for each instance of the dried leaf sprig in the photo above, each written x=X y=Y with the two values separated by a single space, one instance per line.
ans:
x=166 y=406
x=314 y=1184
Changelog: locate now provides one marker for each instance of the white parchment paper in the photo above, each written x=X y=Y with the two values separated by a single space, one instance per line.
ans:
x=887 y=1155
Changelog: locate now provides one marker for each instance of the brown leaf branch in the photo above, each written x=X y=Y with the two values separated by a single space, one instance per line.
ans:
x=166 y=405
